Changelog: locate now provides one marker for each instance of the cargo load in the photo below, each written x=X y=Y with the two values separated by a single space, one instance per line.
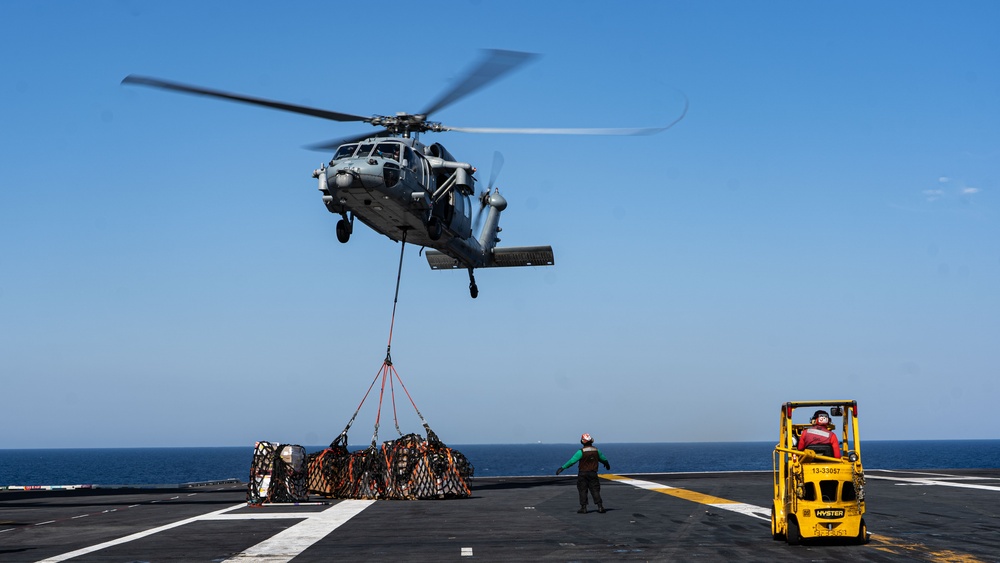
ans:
x=407 y=468
x=278 y=473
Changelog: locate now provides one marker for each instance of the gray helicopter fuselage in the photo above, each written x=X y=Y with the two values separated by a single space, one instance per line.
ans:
x=398 y=184
x=411 y=192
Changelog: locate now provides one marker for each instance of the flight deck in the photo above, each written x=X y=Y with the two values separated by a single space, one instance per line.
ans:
x=925 y=515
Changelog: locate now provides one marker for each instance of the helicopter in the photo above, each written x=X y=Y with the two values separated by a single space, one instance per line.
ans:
x=414 y=192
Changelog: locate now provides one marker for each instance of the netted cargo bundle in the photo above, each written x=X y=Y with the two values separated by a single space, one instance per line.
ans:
x=277 y=474
x=426 y=469
x=329 y=471
x=408 y=468
x=337 y=473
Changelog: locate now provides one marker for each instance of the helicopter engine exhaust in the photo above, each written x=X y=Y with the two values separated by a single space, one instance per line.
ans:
x=438 y=150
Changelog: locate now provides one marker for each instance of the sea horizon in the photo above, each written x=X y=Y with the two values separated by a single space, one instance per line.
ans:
x=460 y=444
x=176 y=465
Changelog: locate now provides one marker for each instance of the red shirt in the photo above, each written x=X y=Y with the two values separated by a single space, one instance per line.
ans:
x=819 y=435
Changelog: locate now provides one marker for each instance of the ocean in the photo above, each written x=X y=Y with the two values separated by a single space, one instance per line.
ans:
x=171 y=466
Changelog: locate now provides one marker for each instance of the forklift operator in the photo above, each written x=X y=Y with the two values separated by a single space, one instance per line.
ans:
x=819 y=438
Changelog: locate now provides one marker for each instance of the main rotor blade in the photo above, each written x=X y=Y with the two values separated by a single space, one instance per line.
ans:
x=495 y=64
x=558 y=131
x=334 y=143
x=495 y=169
x=572 y=131
x=197 y=90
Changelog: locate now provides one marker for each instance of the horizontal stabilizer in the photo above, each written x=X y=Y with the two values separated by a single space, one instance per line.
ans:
x=502 y=258
x=441 y=261
x=523 y=256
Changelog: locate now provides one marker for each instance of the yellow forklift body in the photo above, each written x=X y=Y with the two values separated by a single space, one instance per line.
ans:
x=819 y=495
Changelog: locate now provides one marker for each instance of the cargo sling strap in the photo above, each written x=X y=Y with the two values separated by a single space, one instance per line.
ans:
x=408 y=467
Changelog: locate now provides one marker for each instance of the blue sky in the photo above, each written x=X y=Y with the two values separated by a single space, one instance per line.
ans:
x=822 y=225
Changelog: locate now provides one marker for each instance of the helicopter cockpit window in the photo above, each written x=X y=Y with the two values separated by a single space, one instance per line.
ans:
x=388 y=150
x=344 y=151
x=364 y=150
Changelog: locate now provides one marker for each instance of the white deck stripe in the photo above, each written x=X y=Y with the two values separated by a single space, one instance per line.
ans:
x=134 y=536
x=280 y=548
x=285 y=545
x=261 y=516
x=751 y=510
x=924 y=481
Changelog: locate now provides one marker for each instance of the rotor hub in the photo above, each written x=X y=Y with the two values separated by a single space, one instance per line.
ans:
x=403 y=123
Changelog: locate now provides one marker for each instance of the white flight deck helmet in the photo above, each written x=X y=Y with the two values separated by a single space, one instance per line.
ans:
x=818 y=415
x=586 y=439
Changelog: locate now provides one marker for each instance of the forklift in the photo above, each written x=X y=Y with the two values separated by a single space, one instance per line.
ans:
x=819 y=491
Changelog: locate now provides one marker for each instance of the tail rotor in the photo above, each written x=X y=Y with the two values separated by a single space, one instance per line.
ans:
x=484 y=197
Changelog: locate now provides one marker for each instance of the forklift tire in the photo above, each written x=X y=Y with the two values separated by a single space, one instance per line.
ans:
x=793 y=536
x=775 y=534
x=863 y=536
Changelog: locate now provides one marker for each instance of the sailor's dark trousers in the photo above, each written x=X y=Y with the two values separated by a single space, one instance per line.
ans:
x=589 y=481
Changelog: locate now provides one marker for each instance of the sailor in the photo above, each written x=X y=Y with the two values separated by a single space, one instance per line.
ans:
x=819 y=434
x=586 y=478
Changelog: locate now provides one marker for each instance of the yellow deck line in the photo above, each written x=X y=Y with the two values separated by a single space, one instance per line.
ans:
x=694 y=496
x=879 y=542
x=685 y=494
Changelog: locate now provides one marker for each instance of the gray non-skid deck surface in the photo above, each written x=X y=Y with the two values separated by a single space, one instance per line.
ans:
x=925 y=515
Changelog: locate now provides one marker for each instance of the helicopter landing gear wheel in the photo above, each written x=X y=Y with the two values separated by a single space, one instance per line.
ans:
x=434 y=228
x=344 y=230
x=473 y=288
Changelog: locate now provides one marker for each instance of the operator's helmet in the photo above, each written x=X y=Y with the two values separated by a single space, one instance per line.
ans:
x=588 y=439
x=820 y=415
